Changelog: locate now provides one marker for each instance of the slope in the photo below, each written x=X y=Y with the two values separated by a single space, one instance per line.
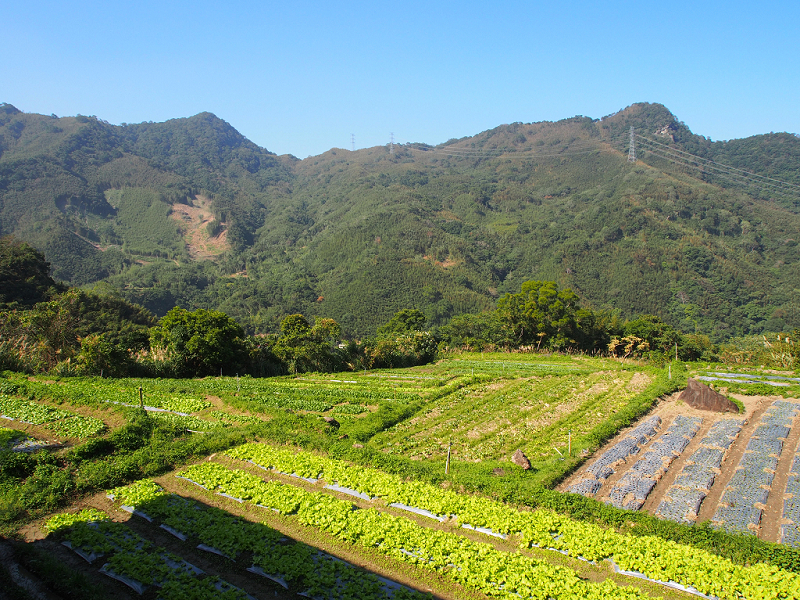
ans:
x=446 y=229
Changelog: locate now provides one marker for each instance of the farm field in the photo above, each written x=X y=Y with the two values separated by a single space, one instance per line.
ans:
x=268 y=534
x=737 y=471
x=334 y=485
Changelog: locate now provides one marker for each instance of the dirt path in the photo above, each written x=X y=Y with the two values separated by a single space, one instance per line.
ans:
x=771 y=518
x=658 y=492
x=731 y=460
x=21 y=577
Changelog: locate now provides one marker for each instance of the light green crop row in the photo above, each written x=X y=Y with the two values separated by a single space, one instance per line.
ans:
x=61 y=422
x=301 y=565
x=476 y=565
x=134 y=557
x=655 y=557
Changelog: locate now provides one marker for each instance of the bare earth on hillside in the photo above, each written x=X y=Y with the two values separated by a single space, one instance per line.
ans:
x=194 y=221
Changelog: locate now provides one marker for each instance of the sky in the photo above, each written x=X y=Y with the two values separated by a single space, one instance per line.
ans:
x=300 y=77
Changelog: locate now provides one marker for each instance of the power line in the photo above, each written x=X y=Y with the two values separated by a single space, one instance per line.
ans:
x=666 y=152
x=713 y=168
x=717 y=164
x=732 y=178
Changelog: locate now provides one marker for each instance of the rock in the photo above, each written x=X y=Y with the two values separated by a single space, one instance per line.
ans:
x=498 y=472
x=331 y=421
x=358 y=445
x=700 y=396
x=521 y=460
x=344 y=436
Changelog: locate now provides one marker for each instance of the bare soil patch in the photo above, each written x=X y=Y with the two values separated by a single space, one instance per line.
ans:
x=194 y=221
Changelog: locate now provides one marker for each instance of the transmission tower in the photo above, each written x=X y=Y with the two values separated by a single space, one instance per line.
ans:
x=632 y=148
x=391 y=144
x=353 y=142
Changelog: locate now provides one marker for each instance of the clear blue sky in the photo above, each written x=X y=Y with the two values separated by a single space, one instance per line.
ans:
x=300 y=77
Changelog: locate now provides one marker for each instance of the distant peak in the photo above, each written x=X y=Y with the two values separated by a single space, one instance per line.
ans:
x=9 y=109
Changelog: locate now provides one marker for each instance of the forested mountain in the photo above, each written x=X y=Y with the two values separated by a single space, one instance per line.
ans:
x=188 y=212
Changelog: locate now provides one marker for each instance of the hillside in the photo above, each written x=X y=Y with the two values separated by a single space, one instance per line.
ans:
x=190 y=212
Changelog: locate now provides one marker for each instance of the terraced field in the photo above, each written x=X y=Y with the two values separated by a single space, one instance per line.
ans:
x=252 y=524
x=740 y=472
x=533 y=406
x=281 y=517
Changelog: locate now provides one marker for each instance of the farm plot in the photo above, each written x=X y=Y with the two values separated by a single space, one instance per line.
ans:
x=632 y=490
x=61 y=422
x=527 y=409
x=427 y=546
x=790 y=527
x=726 y=473
x=746 y=494
x=683 y=498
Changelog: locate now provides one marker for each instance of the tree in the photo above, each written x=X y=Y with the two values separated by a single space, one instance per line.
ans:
x=24 y=275
x=654 y=332
x=199 y=343
x=476 y=332
x=542 y=314
x=305 y=348
x=404 y=321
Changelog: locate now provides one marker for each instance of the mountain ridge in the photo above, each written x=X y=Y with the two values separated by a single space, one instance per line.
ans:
x=445 y=228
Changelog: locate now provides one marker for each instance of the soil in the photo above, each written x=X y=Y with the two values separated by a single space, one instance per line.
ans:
x=194 y=222
x=668 y=408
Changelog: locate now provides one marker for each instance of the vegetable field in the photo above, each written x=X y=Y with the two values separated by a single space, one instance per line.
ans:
x=739 y=472
x=333 y=487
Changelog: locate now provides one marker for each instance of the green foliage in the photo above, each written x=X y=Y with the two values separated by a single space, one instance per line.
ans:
x=143 y=223
x=106 y=330
x=484 y=331
x=197 y=343
x=305 y=348
x=24 y=275
x=541 y=314
x=404 y=321
x=399 y=350
x=443 y=233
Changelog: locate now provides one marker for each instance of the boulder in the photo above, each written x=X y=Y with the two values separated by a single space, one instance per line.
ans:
x=498 y=472
x=331 y=421
x=700 y=396
x=521 y=460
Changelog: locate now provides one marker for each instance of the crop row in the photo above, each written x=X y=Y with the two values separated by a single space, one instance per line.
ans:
x=60 y=421
x=234 y=418
x=188 y=422
x=94 y=392
x=134 y=560
x=790 y=532
x=303 y=567
x=8 y=437
x=684 y=497
x=656 y=558
x=632 y=489
x=475 y=565
x=604 y=466
x=747 y=491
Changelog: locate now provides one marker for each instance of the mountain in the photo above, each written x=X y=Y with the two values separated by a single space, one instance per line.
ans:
x=190 y=212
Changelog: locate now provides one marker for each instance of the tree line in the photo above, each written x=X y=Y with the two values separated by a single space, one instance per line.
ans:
x=47 y=327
